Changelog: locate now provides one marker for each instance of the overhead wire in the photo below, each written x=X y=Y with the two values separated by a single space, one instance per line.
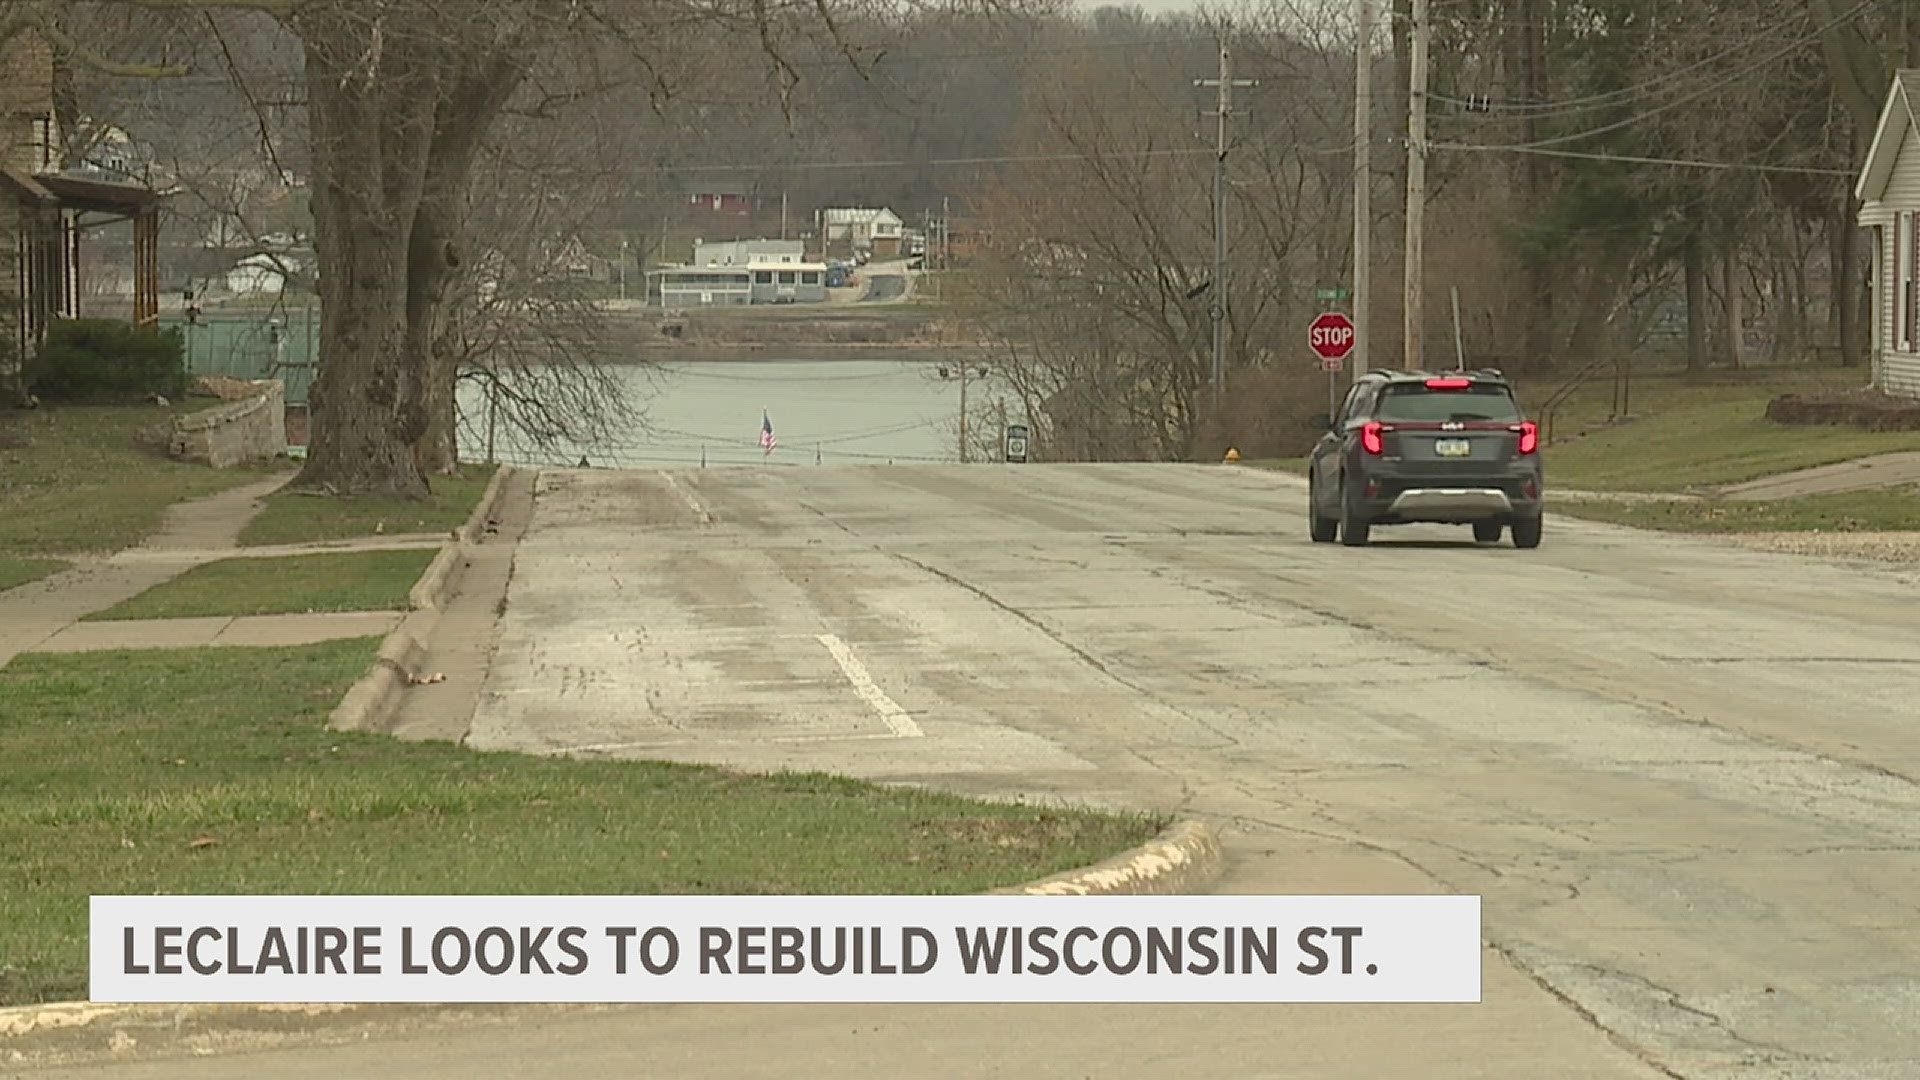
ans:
x=1636 y=159
x=1684 y=99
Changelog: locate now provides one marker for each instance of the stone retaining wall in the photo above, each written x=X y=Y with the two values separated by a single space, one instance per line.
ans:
x=250 y=429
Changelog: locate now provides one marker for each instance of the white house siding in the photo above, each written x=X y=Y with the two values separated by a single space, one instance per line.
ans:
x=1898 y=370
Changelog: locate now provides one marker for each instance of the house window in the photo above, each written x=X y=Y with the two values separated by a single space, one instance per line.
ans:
x=810 y=277
x=786 y=277
x=43 y=142
x=1895 y=291
x=763 y=277
x=1910 y=331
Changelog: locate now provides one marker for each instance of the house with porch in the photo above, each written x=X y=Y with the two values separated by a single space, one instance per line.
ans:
x=46 y=210
x=1889 y=192
x=875 y=230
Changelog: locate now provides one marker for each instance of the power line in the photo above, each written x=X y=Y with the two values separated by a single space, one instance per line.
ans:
x=1634 y=159
x=1570 y=106
x=1689 y=98
x=907 y=163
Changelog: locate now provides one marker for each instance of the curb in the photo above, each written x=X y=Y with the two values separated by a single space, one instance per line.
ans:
x=433 y=586
x=476 y=525
x=372 y=701
x=437 y=581
x=1182 y=859
x=374 y=697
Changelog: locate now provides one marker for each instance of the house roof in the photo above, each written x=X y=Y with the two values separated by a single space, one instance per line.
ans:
x=25 y=184
x=90 y=193
x=1896 y=119
x=856 y=214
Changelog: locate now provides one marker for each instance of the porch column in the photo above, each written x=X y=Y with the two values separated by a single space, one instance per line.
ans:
x=146 y=267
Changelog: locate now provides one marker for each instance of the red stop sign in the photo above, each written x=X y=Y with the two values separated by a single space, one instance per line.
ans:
x=1331 y=335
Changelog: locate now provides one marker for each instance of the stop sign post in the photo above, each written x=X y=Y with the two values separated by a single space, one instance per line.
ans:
x=1332 y=336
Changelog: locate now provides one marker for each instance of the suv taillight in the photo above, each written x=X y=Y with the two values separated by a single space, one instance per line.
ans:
x=1370 y=439
x=1529 y=437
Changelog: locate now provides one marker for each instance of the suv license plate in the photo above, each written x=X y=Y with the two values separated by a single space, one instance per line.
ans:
x=1453 y=448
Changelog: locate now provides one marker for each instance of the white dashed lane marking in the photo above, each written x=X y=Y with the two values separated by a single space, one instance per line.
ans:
x=891 y=713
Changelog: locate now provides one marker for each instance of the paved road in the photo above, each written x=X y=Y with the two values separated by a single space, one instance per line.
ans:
x=1681 y=774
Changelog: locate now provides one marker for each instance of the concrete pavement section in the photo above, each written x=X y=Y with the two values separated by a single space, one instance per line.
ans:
x=303 y=628
x=1681 y=773
x=192 y=532
x=1879 y=471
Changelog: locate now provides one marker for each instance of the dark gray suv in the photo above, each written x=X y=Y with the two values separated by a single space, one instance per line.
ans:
x=1415 y=446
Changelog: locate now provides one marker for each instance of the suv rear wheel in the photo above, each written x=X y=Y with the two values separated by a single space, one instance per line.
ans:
x=1322 y=529
x=1354 y=527
x=1526 y=532
x=1486 y=532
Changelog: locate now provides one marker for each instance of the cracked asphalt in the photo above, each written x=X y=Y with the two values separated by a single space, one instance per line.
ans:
x=1681 y=773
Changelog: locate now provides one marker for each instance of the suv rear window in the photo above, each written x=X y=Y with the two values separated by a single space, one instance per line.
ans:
x=1417 y=404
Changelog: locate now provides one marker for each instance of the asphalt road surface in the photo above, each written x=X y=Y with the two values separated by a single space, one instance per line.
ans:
x=1681 y=774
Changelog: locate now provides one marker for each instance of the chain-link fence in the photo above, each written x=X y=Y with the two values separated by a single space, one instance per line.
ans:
x=282 y=344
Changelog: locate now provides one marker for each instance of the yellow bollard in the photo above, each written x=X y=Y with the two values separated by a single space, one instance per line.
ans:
x=1233 y=455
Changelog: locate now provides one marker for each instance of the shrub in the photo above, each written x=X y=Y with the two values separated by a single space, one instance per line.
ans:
x=1267 y=414
x=1869 y=410
x=107 y=358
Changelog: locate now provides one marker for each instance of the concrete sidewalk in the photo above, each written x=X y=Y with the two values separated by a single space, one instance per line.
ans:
x=1860 y=474
x=259 y=630
x=44 y=615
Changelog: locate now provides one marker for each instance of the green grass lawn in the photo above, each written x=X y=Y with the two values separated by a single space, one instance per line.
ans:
x=1693 y=432
x=1701 y=433
x=292 y=517
x=18 y=571
x=87 y=485
x=335 y=581
x=118 y=763
x=1854 y=511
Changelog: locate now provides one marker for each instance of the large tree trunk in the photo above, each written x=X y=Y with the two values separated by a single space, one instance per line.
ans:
x=370 y=107
x=1735 y=305
x=1696 y=277
x=472 y=98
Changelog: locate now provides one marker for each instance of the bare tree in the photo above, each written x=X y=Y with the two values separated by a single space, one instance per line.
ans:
x=1100 y=281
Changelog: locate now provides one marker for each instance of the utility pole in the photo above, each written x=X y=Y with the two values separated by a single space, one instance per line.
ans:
x=946 y=209
x=1223 y=111
x=1362 y=182
x=1414 y=269
x=963 y=412
x=783 y=213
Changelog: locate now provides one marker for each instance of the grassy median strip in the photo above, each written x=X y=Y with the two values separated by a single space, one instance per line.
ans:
x=210 y=771
x=294 y=584
x=1853 y=511
x=88 y=484
x=293 y=517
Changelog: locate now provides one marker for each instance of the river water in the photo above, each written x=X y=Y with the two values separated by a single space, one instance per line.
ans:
x=696 y=413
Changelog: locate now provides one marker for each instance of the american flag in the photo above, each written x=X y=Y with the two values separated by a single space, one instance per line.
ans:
x=767 y=441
